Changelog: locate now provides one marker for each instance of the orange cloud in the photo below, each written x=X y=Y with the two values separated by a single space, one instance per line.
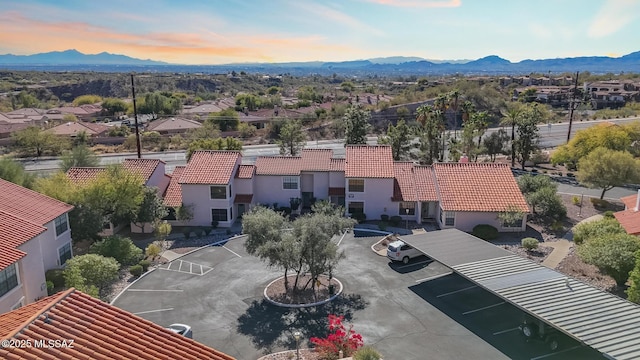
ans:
x=26 y=35
x=419 y=3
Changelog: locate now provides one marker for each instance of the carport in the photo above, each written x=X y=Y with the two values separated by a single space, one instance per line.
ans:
x=601 y=320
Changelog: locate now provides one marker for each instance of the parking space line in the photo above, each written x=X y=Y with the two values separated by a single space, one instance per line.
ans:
x=152 y=311
x=557 y=352
x=434 y=277
x=190 y=267
x=418 y=263
x=155 y=290
x=506 y=331
x=169 y=266
x=180 y=267
x=204 y=273
x=231 y=251
x=457 y=291
x=482 y=308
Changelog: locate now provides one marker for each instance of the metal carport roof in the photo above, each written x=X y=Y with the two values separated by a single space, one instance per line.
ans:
x=601 y=320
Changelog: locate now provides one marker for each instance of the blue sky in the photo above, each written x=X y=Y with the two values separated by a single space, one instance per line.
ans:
x=231 y=31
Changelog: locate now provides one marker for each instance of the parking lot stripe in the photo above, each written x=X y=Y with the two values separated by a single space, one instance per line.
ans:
x=482 y=308
x=457 y=291
x=169 y=266
x=190 y=267
x=175 y=290
x=180 y=267
x=152 y=311
x=231 y=251
x=505 y=331
x=557 y=352
x=418 y=263
x=434 y=277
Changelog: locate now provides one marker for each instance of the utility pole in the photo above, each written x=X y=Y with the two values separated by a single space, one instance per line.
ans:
x=135 y=117
x=572 y=105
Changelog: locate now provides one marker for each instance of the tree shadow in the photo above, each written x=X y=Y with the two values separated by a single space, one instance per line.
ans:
x=270 y=327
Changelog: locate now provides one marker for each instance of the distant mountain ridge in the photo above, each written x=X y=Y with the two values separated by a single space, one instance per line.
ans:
x=70 y=60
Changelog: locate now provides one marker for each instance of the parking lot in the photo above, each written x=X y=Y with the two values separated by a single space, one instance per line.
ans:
x=415 y=311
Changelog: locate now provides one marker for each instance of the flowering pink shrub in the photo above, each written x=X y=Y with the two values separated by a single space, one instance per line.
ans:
x=339 y=339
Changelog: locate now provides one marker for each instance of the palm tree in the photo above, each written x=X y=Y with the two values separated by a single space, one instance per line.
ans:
x=454 y=96
x=431 y=127
x=467 y=109
x=511 y=116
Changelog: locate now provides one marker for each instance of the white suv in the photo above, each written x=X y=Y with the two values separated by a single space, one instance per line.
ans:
x=399 y=251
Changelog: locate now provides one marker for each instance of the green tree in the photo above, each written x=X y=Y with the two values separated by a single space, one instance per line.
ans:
x=494 y=144
x=527 y=140
x=606 y=169
x=356 y=125
x=592 y=229
x=14 y=172
x=225 y=120
x=633 y=292
x=227 y=143
x=541 y=194
x=248 y=102
x=399 y=138
x=112 y=106
x=291 y=138
x=208 y=131
x=273 y=90
x=79 y=156
x=430 y=130
x=73 y=279
x=27 y=100
x=96 y=269
x=81 y=138
x=159 y=103
x=34 y=141
x=613 y=254
x=608 y=136
x=162 y=231
x=86 y=100
x=511 y=116
x=347 y=87
x=151 y=209
x=122 y=249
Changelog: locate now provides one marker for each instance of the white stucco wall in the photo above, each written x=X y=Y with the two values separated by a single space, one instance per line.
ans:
x=306 y=182
x=31 y=267
x=49 y=244
x=243 y=186
x=336 y=179
x=158 y=178
x=321 y=185
x=376 y=196
x=466 y=221
x=8 y=300
x=268 y=190
x=199 y=196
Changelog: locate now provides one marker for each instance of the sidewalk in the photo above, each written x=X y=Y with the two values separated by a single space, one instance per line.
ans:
x=562 y=247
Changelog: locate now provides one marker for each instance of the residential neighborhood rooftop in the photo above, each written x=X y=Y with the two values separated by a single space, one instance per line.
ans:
x=629 y=218
x=367 y=161
x=210 y=167
x=144 y=167
x=30 y=205
x=15 y=231
x=173 y=194
x=81 y=175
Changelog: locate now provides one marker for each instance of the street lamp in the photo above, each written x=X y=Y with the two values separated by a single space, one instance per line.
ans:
x=297 y=335
x=407 y=212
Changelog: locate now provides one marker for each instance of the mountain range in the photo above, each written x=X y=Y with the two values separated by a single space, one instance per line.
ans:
x=70 y=60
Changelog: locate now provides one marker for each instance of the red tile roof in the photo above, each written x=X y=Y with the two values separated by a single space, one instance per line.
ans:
x=367 y=161
x=15 y=231
x=173 y=194
x=404 y=185
x=99 y=330
x=425 y=183
x=337 y=165
x=144 y=167
x=478 y=187
x=73 y=128
x=15 y=318
x=629 y=218
x=278 y=165
x=316 y=159
x=245 y=171
x=243 y=199
x=30 y=205
x=82 y=175
x=336 y=191
x=629 y=201
x=210 y=167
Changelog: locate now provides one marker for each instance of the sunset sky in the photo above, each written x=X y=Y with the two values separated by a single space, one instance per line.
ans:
x=231 y=31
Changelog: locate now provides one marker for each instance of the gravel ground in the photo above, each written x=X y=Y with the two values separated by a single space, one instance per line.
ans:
x=305 y=354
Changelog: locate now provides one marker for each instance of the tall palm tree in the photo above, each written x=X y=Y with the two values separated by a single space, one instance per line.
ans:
x=511 y=116
x=454 y=96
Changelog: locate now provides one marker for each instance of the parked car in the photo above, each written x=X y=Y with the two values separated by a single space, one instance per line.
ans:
x=537 y=330
x=181 y=329
x=399 y=251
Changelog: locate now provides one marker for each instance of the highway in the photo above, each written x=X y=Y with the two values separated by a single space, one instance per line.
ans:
x=550 y=137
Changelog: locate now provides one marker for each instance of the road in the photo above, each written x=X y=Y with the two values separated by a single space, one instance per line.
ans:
x=550 y=136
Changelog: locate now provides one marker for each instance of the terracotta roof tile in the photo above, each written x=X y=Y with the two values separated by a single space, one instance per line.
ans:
x=478 y=187
x=173 y=194
x=30 y=205
x=629 y=201
x=337 y=165
x=243 y=199
x=278 y=165
x=245 y=171
x=15 y=231
x=82 y=175
x=73 y=128
x=425 y=183
x=99 y=330
x=144 y=167
x=316 y=159
x=210 y=167
x=629 y=220
x=404 y=185
x=367 y=161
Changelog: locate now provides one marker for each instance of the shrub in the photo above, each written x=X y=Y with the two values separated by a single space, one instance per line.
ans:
x=599 y=203
x=145 y=265
x=50 y=287
x=613 y=254
x=608 y=214
x=382 y=226
x=120 y=248
x=556 y=225
x=187 y=233
x=395 y=220
x=214 y=224
x=340 y=339
x=530 y=243
x=56 y=276
x=485 y=232
x=152 y=251
x=384 y=217
x=95 y=269
x=136 y=270
x=359 y=216
x=285 y=209
x=366 y=353
x=199 y=232
x=208 y=230
x=589 y=230
x=575 y=200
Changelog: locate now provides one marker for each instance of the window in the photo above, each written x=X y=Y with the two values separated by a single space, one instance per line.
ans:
x=356 y=185
x=8 y=279
x=218 y=192
x=61 y=224
x=407 y=205
x=290 y=182
x=64 y=253
x=229 y=191
x=219 y=214
x=356 y=207
x=449 y=218
x=517 y=224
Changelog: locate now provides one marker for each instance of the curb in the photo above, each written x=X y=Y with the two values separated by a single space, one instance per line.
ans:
x=378 y=242
x=185 y=254
x=301 y=306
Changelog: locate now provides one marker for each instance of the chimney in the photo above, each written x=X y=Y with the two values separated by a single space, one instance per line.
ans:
x=637 y=202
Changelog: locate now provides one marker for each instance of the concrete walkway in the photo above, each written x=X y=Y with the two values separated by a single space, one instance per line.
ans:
x=562 y=247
